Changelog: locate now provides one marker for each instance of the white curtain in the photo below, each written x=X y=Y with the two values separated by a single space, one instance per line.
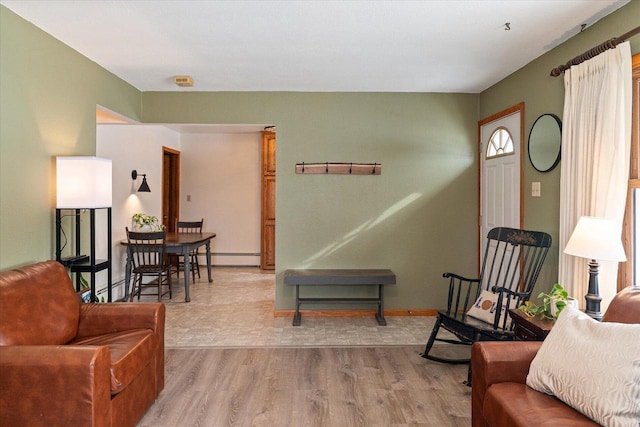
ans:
x=596 y=143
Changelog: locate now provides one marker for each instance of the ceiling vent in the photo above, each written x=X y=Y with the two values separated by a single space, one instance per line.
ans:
x=183 y=81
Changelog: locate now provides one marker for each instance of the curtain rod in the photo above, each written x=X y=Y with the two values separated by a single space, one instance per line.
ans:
x=609 y=44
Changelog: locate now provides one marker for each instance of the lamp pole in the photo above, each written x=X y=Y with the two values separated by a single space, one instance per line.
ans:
x=593 y=297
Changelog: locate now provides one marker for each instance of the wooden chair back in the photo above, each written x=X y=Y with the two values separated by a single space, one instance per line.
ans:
x=146 y=250
x=189 y=226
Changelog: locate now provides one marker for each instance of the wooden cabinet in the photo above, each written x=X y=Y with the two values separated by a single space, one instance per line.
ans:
x=268 y=208
x=269 y=153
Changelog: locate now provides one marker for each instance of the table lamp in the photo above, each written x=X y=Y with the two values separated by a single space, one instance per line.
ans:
x=597 y=239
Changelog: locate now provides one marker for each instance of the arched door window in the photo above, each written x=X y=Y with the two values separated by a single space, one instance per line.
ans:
x=500 y=143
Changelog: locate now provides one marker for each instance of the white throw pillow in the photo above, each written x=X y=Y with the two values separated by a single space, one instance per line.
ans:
x=591 y=366
x=485 y=307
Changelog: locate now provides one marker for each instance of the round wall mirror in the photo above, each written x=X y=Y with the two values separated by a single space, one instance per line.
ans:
x=545 y=139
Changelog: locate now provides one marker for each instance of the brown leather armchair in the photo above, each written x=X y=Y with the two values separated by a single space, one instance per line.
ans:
x=64 y=363
x=499 y=395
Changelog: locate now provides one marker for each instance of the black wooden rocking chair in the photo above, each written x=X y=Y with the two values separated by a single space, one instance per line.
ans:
x=511 y=265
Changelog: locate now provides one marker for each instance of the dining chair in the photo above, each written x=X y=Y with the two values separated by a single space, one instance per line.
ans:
x=189 y=227
x=148 y=260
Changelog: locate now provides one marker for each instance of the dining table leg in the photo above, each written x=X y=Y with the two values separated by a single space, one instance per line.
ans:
x=127 y=276
x=208 y=251
x=187 y=269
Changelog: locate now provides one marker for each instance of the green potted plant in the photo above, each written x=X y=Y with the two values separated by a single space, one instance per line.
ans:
x=552 y=303
x=144 y=222
x=86 y=287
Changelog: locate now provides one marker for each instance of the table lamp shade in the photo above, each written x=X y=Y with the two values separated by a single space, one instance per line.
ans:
x=597 y=239
x=83 y=182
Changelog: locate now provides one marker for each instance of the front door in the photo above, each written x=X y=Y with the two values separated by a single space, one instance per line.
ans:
x=500 y=172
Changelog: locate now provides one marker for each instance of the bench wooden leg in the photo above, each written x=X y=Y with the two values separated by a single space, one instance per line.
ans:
x=297 y=317
x=380 y=314
x=381 y=320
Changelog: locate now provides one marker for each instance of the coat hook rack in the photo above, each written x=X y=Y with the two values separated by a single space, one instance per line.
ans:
x=339 y=168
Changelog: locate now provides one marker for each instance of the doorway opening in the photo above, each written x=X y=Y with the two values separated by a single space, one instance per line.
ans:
x=170 y=188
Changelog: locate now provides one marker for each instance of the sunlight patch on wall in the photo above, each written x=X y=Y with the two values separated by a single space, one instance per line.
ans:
x=364 y=227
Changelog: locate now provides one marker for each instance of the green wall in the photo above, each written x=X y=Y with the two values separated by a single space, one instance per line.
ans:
x=417 y=217
x=48 y=98
x=541 y=94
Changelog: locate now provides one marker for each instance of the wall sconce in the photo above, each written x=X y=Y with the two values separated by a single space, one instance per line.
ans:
x=144 y=187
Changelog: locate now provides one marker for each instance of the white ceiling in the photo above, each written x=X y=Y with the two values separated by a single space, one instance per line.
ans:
x=381 y=46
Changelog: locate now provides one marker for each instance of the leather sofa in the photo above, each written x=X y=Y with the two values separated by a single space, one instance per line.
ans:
x=63 y=363
x=499 y=395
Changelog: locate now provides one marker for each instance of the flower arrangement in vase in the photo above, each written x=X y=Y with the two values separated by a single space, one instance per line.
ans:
x=144 y=222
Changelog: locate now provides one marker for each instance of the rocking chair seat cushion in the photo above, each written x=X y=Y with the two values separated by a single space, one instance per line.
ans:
x=485 y=307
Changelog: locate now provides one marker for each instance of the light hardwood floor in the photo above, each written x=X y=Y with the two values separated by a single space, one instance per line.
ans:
x=381 y=386
x=229 y=362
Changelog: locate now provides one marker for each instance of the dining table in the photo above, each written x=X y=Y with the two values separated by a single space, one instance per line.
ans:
x=179 y=244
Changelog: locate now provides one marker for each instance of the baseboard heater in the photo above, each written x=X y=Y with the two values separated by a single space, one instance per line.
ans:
x=234 y=254
x=115 y=285
x=235 y=259
x=103 y=291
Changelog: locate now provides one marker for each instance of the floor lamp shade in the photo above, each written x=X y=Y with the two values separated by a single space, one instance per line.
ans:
x=83 y=182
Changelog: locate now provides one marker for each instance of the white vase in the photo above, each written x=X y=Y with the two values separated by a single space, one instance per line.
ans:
x=144 y=228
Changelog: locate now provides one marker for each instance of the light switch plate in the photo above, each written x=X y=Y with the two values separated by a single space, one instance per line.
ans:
x=535 y=189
